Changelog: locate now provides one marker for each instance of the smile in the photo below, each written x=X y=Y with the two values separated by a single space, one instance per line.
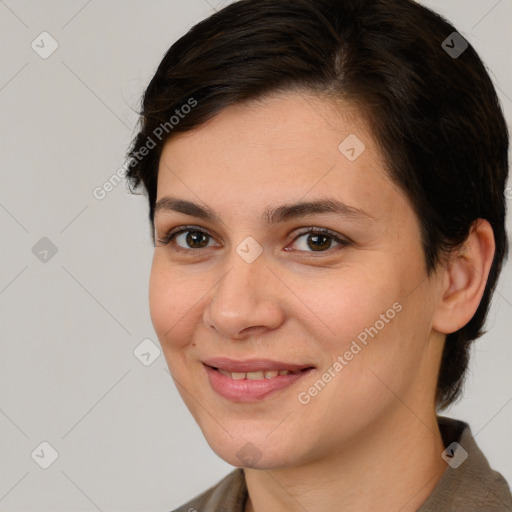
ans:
x=250 y=381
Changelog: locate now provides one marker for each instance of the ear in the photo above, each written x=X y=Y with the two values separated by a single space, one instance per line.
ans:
x=464 y=279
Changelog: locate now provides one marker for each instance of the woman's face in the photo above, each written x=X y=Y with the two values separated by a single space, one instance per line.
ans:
x=247 y=293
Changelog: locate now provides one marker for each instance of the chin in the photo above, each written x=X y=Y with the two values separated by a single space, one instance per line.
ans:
x=253 y=450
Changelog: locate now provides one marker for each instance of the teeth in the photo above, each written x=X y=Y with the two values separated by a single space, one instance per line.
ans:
x=254 y=375
x=259 y=375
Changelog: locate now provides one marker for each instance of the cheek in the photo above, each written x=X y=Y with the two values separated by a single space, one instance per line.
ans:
x=349 y=306
x=173 y=303
x=372 y=319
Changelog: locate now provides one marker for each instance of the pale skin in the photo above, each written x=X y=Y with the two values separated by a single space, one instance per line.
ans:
x=369 y=440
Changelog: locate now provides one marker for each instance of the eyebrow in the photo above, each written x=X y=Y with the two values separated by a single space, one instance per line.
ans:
x=273 y=215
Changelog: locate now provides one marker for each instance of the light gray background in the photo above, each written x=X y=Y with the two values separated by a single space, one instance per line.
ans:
x=69 y=326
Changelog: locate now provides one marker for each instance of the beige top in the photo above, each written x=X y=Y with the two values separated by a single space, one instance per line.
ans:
x=472 y=486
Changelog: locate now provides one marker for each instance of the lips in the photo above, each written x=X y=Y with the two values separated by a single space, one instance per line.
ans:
x=252 y=380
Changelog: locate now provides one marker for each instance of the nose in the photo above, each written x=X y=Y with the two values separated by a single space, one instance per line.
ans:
x=246 y=302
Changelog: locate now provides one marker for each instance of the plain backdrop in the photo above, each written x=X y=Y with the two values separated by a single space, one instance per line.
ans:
x=74 y=269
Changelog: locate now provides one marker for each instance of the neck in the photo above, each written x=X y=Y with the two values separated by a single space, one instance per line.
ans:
x=393 y=467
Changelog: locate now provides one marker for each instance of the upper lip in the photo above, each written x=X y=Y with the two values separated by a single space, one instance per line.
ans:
x=253 y=365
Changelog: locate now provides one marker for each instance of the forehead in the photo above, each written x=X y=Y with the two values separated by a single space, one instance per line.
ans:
x=285 y=147
x=285 y=121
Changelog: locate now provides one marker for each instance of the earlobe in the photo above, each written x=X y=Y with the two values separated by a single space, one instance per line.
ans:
x=464 y=279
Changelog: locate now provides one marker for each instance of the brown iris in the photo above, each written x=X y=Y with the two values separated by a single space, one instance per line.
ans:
x=319 y=242
x=197 y=239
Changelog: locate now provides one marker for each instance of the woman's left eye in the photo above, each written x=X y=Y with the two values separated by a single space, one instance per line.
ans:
x=318 y=240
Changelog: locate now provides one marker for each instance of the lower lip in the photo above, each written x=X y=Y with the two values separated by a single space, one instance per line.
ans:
x=246 y=390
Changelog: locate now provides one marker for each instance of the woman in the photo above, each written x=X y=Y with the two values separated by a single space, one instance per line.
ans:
x=326 y=192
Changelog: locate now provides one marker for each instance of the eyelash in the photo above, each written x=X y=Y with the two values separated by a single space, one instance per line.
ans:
x=173 y=233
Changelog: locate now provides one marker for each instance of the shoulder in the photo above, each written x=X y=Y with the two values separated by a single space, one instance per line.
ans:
x=228 y=495
x=469 y=483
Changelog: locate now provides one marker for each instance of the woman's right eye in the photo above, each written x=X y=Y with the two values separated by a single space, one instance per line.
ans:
x=188 y=239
